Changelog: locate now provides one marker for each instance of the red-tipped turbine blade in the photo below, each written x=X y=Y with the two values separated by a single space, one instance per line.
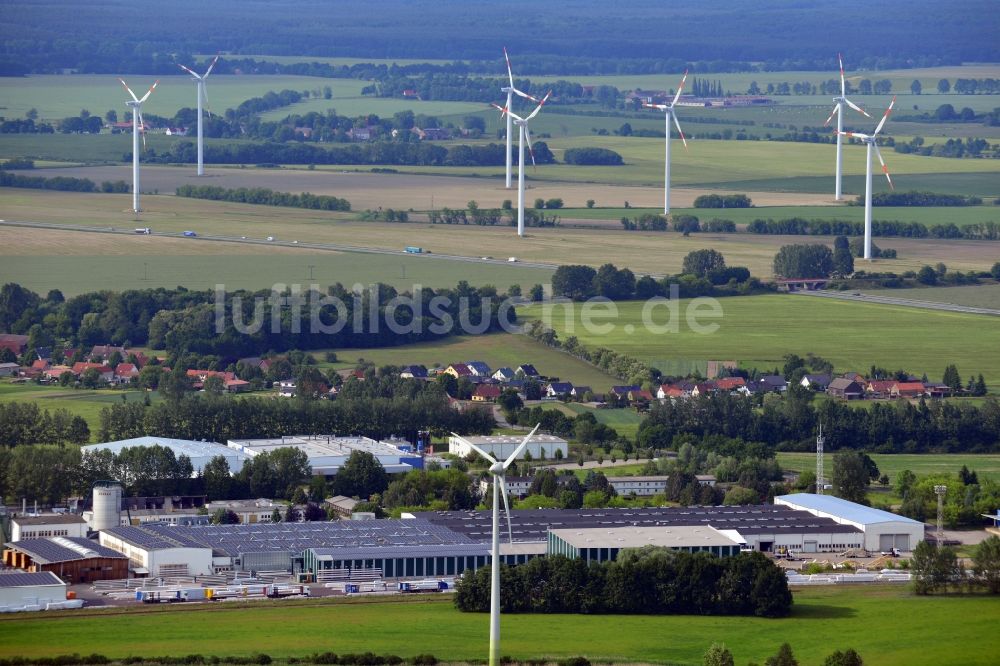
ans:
x=856 y=107
x=142 y=130
x=659 y=107
x=680 y=88
x=540 y=105
x=885 y=117
x=188 y=70
x=129 y=90
x=680 y=131
x=209 y=70
x=885 y=169
x=832 y=114
x=510 y=74
x=150 y=91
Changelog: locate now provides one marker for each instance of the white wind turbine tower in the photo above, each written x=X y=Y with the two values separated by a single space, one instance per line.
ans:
x=497 y=470
x=137 y=129
x=838 y=110
x=669 y=113
x=202 y=99
x=511 y=91
x=524 y=136
x=872 y=141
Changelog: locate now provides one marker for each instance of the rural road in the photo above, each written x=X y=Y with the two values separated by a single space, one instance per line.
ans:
x=279 y=243
x=892 y=300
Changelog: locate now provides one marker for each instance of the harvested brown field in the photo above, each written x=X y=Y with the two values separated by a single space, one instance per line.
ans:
x=405 y=191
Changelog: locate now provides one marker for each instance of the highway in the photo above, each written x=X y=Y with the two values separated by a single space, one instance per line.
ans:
x=893 y=300
x=331 y=247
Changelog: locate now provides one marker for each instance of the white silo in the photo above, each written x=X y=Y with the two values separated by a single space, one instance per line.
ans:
x=107 y=506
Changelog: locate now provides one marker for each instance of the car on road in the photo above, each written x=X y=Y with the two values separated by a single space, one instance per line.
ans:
x=512 y=260
x=189 y=234
x=270 y=238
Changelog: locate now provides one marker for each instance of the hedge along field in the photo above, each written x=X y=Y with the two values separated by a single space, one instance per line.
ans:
x=886 y=625
x=56 y=97
x=986 y=466
x=758 y=331
x=78 y=402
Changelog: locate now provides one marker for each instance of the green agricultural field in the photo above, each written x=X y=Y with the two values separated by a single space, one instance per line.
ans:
x=56 y=97
x=758 y=331
x=987 y=466
x=496 y=350
x=977 y=296
x=356 y=105
x=79 y=402
x=869 y=619
x=625 y=421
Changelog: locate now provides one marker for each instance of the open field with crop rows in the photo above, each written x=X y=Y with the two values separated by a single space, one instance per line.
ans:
x=866 y=618
x=758 y=331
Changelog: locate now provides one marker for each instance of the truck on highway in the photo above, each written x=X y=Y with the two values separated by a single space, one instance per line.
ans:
x=410 y=249
x=143 y=230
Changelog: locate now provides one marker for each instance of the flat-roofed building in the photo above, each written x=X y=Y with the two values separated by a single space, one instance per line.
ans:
x=541 y=447
x=199 y=452
x=640 y=486
x=602 y=545
x=47 y=525
x=882 y=530
x=30 y=591
x=328 y=453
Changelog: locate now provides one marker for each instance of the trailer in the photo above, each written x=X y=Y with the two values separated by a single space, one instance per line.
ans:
x=143 y=230
x=428 y=585
x=411 y=249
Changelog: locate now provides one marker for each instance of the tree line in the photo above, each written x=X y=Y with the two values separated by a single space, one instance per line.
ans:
x=264 y=196
x=61 y=183
x=650 y=580
x=789 y=423
x=798 y=226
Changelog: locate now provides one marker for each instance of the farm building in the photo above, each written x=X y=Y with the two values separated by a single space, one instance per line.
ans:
x=603 y=545
x=18 y=590
x=501 y=446
x=882 y=530
x=73 y=559
x=47 y=525
x=199 y=452
x=328 y=453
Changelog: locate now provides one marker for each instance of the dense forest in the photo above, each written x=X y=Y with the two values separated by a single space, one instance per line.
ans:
x=560 y=37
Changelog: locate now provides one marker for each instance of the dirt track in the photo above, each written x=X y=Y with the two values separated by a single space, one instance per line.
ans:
x=404 y=191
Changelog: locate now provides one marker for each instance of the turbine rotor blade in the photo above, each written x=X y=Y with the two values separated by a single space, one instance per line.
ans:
x=520 y=447
x=129 y=90
x=506 y=505
x=680 y=88
x=679 y=130
x=531 y=150
x=540 y=105
x=856 y=135
x=843 y=83
x=510 y=74
x=885 y=169
x=150 y=91
x=209 y=70
x=475 y=448
x=885 y=117
x=856 y=107
x=204 y=97
x=189 y=71
x=832 y=114
x=141 y=129
x=523 y=94
x=658 y=107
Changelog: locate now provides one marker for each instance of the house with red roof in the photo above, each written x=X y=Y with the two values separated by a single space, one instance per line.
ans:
x=907 y=390
x=486 y=393
x=458 y=370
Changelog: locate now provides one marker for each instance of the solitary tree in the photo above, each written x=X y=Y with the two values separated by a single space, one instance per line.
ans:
x=718 y=655
x=848 y=657
x=843 y=259
x=703 y=262
x=850 y=476
x=784 y=657
x=915 y=87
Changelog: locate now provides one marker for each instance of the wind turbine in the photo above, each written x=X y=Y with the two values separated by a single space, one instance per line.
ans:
x=202 y=99
x=511 y=91
x=838 y=110
x=872 y=141
x=669 y=113
x=497 y=469
x=524 y=136
x=137 y=128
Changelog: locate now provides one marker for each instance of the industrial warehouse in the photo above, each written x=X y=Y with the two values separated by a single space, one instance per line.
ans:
x=328 y=453
x=449 y=542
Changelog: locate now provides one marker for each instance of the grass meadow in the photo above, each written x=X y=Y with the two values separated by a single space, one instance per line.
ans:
x=886 y=625
x=987 y=466
x=78 y=402
x=976 y=296
x=758 y=331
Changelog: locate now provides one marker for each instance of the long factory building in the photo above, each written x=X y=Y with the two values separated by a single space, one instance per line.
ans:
x=442 y=543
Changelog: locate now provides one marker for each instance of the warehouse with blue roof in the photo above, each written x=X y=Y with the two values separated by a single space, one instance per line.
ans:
x=882 y=530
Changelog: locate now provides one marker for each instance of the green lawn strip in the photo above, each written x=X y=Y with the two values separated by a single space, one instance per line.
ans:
x=888 y=626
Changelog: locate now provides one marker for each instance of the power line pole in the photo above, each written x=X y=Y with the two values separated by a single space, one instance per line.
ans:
x=940 y=491
x=819 y=461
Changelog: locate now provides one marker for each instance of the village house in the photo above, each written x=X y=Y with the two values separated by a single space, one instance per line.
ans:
x=413 y=372
x=579 y=392
x=17 y=344
x=504 y=375
x=816 y=382
x=486 y=393
x=879 y=388
x=559 y=390
x=479 y=369
x=907 y=390
x=526 y=371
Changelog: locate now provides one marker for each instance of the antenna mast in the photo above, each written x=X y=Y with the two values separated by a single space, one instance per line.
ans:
x=819 y=461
